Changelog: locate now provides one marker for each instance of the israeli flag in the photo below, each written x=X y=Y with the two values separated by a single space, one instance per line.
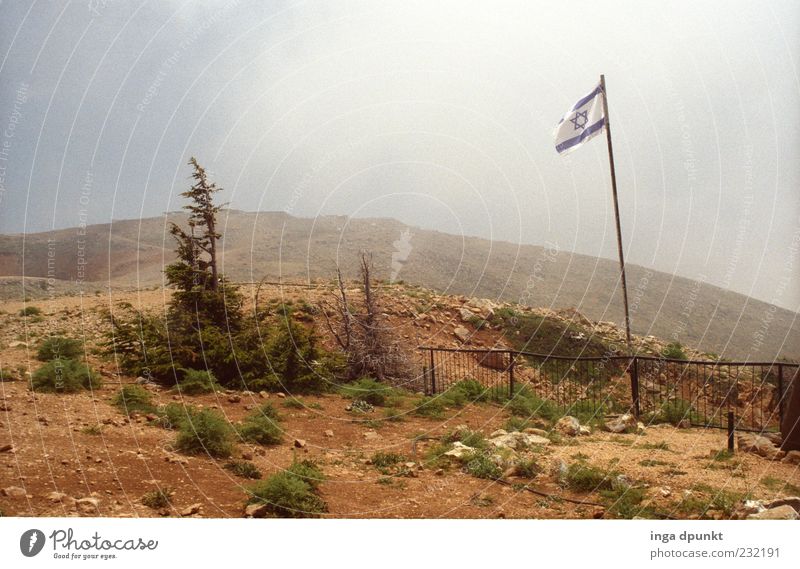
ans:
x=583 y=121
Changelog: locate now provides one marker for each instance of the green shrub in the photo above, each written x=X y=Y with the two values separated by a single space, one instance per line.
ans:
x=675 y=411
x=431 y=407
x=293 y=403
x=587 y=411
x=64 y=376
x=134 y=399
x=30 y=311
x=466 y=437
x=526 y=404
x=56 y=347
x=293 y=493
x=527 y=468
x=674 y=351
x=367 y=389
x=171 y=415
x=586 y=478
x=385 y=459
x=157 y=499
x=205 y=432
x=626 y=503
x=197 y=382
x=481 y=465
x=244 y=469
x=262 y=426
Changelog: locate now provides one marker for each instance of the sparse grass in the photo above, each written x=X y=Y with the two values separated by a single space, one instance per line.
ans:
x=30 y=311
x=626 y=503
x=480 y=465
x=373 y=392
x=386 y=459
x=157 y=499
x=674 y=412
x=262 y=426
x=468 y=437
x=293 y=493
x=92 y=430
x=393 y=414
x=293 y=403
x=526 y=404
x=662 y=445
x=705 y=498
x=780 y=486
x=56 y=347
x=244 y=469
x=652 y=462
x=205 y=432
x=587 y=478
x=430 y=407
x=527 y=468
x=722 y=455
x=171 y=415
x=134 y=399
x=674 y=351
x=64 y=376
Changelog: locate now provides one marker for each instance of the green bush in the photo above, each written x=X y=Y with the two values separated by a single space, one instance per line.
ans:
x=528 y=468
x=197 y=382
x=369 y=390
x=293 y=493
x=205 y=432
x=674 y=351
x=244 y=469
x=675 y=411
x=134 y=399
x=171 y=415
x=431 y=407
x=586 y=478
x=56 y=347
x=527 y=404
x=262 y=426
x=64 y=376
x=466 y=437
x=481 y=465
x=386 y=459
x=30 y=311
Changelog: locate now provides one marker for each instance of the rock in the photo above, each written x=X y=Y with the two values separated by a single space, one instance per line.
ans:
x=640 y=428
x=371 y=435
x=462 y=333
x=780 y=513
x=191 y=510
x=459 y=450
x=256 y=510
x=534 y=431
x=757 y=444
x=569 y=426
x=792 y=457
x=585 y=430
x=263 y=395
x=10 y=448
x=666 y=491
x=774 y=438
x=299 y=443
x=281 y=395
x=88 y=505
x=558 y=470
x=498 y=433
x=792 y=501
x=329 y=434
x=466 y=314
x=684 y=424
x=598 y=513
x=626 y=423
x=234 y=398
x=56 y=496
x=517 y=441
x=13 y=492
x=17 y=344
x=247 y=455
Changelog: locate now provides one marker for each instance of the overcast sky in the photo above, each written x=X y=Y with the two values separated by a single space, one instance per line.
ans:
x=439 y=116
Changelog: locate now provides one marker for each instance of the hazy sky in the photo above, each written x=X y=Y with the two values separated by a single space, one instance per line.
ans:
x=437 y=113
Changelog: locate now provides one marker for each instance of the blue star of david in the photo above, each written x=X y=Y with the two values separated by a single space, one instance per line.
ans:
x=580 y=119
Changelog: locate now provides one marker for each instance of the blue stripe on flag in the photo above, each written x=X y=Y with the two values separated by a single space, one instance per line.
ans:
x=569 y=143
x=585 y=100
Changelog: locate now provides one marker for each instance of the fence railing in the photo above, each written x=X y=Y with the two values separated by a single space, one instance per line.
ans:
x=655 y=389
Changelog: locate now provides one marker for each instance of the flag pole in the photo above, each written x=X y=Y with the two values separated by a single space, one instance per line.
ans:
x=616 y=214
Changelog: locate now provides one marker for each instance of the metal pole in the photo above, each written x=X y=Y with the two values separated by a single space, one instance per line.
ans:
x=780 y=394
x=634 y=371
x=730 y=431
x=511 y=374
x=433 y=376
x=616 y=213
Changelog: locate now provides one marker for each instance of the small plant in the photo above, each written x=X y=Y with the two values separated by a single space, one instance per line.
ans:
x=92 y=430
x=367 y=389
x=293 y=403
x=527 y=468
x=431 y=407
x=56 y=347
x=467 y=437
x=661 y=445
x=243 y=469
x=386 y=459
x=676 y=411
x=721 y=455
x=262 y=427
x=782 y=486
x=157 y=499
x=171 y=415
x=652 y=462
x=626 y=503
x=393 y=414
x=526 y=404
x=134 y=399
x=481 y=465
x=586 y=478
x=30 y=311
x=293 y=493
x=64 y=376
x=197 y=382
x=205 y=432
x=674 y=351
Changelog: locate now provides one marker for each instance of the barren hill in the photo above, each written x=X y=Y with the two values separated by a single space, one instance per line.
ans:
x=279 y=246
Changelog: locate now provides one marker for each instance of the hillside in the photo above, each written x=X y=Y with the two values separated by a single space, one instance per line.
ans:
x=132 y=253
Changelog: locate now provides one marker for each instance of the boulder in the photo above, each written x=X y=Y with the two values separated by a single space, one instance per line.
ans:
x=569 y=426
x=88 y=505
x=792 y=501
x=461 y=333
x=792 y=457
x=299 y=443
x=256 y=510
x=466 y=314
x=760 y=445
x=191 y=510
x=780 y=513
x=517 y=441
x=626 y=423
x=13 y=492
x=459 y=450
x=329 y=434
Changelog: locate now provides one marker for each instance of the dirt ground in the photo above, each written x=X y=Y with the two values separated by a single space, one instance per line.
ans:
x=82 y=446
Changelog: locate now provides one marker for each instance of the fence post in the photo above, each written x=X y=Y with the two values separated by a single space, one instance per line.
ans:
x=731 y=431
x=511 y=374
x=425 y=380
x=433 y=376
x=633 y=369
x=780 y=394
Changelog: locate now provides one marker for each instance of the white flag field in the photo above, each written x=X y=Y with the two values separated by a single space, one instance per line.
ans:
x=582 y=122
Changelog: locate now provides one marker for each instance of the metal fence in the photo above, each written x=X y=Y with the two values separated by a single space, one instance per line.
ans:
x=655 y=389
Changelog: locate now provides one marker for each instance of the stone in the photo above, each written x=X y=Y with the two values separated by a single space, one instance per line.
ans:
x=466 y=314
x=757 y=444
x=626 y=423
x=281 y=395
x=56 y=496
x=585 y=430
x=684 y=424
x=792 y=457
x=792 y=501
x=256 y=510
x=88 y=505
x=459 y=450
x=535 y=431
x=13 y=492
x=17 y=344
x=263 y=395
x=234 y=398
x=558 y=470
x=299 y=443
x=191 y=510
x=785 y=512
x=371 y=435
x=247 y=455
x=329 y=434
x=569 y=426
x=518 y=441
x=462 y=333
x=10 y=448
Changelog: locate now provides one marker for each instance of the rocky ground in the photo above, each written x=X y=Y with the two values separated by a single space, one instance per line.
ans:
x=77 y=454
